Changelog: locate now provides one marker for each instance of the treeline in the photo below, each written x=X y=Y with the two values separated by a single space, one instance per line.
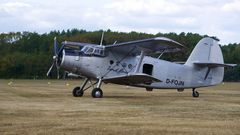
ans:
x=29 y=54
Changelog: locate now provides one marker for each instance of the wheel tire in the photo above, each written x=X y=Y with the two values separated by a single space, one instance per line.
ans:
x=97 y=93
x=77 y=92
x=195 y=94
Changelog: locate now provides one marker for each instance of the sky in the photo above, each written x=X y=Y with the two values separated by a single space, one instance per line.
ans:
x=220 y=18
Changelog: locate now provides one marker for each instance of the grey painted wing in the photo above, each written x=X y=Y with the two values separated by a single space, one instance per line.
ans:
x=150 y=45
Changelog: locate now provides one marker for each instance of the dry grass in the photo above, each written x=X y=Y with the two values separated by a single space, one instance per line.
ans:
x=34 y=107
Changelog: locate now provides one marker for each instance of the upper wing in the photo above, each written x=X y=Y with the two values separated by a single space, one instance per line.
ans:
x=131 y=79
x=76 y=43
x=158 y=44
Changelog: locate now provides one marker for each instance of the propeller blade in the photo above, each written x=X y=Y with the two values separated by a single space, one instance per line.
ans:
x=55 y=46
x=55 y=58
x=50 y=69
x=60 y=50
x=57 y=70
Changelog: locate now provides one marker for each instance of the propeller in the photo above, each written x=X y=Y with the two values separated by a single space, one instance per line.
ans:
x=55 y=58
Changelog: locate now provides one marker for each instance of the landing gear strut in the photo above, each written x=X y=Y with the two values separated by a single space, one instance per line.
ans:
x=96 y=92
x=195 y=93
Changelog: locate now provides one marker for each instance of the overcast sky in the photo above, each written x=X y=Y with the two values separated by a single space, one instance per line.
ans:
x=219 y=18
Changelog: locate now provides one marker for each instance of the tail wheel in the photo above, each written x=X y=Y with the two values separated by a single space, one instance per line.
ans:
x=195 y=93
x=77 y=92
x=97 y=93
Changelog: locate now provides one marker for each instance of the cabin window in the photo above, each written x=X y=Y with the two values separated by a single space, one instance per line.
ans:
x=96 y=51
x=148 y=69
x=111 y=62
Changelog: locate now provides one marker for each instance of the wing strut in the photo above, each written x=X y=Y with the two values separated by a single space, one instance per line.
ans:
x=140 y=61
x=102 y=38
x=161 y=54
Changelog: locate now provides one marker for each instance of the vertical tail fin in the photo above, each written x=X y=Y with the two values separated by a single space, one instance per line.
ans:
x=207 y=59
x=207 y=50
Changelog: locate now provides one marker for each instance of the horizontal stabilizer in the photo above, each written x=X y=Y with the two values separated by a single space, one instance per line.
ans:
x=131 y=79
x=212 y=64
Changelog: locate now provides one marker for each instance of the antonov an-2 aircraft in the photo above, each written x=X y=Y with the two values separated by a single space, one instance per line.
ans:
x=128 y=63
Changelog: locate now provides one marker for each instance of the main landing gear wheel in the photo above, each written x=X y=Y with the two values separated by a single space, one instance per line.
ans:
x=195 y=93
x=77 y=92
x=97 y=93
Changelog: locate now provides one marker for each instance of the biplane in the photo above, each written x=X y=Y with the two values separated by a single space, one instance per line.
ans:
x=129 y=63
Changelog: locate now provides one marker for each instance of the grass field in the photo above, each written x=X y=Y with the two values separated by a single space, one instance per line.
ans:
x=35 y=107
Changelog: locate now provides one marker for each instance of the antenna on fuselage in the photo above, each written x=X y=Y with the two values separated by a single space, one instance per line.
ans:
x=102 y=38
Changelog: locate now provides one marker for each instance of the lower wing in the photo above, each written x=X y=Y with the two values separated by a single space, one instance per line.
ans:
x=131 y=79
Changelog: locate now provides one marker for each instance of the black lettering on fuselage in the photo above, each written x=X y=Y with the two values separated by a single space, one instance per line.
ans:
x=175 y=82
x=118 y=70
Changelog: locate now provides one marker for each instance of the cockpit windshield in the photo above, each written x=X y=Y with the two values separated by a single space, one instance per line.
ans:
x=89 y=50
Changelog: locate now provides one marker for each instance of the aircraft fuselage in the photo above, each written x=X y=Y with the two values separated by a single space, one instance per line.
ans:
x=172 y=75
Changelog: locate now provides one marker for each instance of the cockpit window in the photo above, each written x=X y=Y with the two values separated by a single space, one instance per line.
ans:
x=93 y=51
x=101 y=52
x=84 y=49
x=98 y=52
x=89 y=51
